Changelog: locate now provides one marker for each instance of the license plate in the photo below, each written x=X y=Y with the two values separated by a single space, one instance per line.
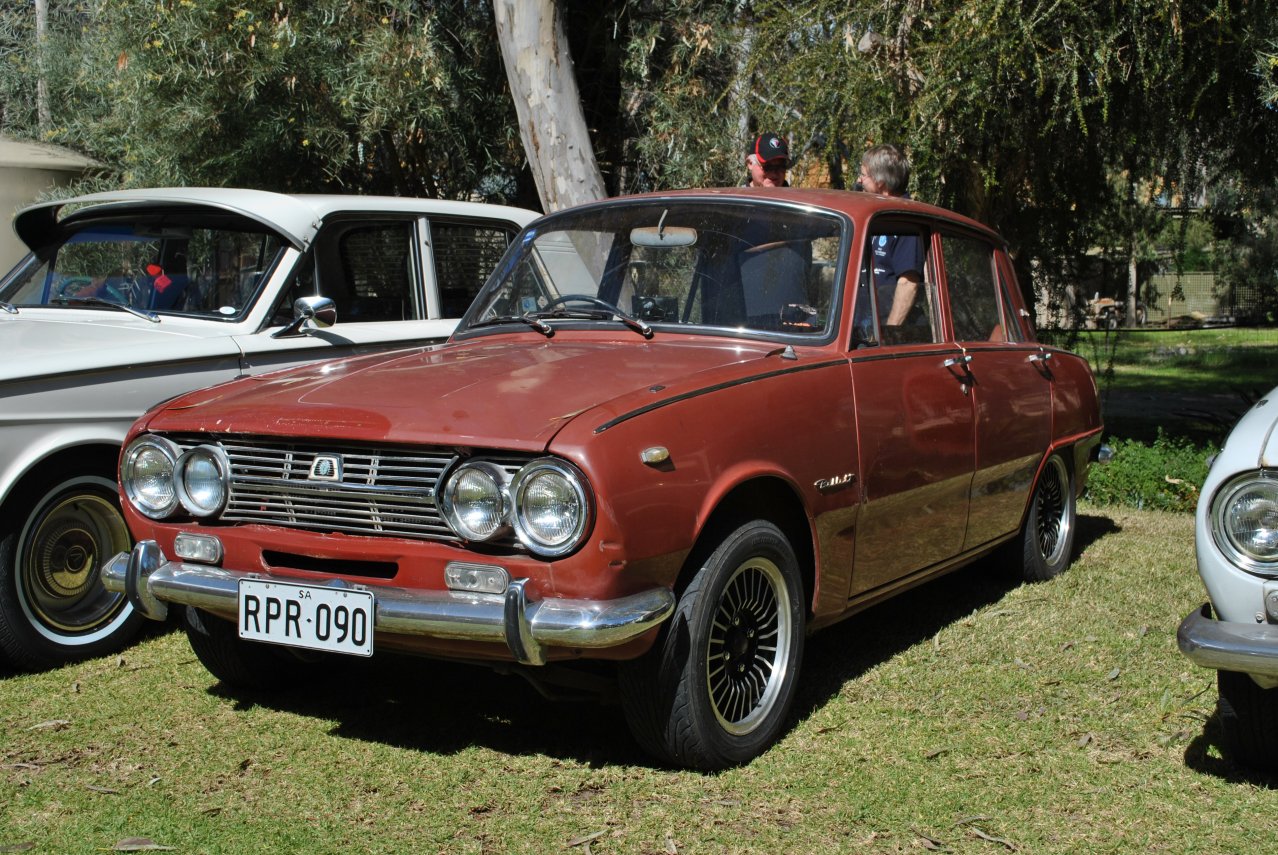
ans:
x=333 y=619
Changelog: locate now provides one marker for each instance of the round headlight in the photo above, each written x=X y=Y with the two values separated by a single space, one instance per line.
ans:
x=202 y=480
x=1245 y=521
x=551 y=507
x=146 y=473
x=474 y=501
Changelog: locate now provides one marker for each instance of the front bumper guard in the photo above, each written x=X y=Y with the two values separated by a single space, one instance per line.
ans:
x=1225 y=646
x=151 y=582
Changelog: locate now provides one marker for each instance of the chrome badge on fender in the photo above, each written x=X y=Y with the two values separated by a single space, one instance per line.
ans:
x=832 y=485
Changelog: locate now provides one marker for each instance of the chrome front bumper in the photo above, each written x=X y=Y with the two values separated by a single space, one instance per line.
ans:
x=151 y=582
x=1243 y=647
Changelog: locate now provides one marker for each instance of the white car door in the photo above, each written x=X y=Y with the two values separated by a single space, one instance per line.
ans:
x=397 y=281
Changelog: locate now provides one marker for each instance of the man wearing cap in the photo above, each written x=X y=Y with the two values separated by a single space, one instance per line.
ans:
x=767 y=159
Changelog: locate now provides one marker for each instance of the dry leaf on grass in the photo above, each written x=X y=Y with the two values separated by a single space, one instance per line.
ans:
x=585 y=839
x=26 y=846
x=51 y=724
x=140 y=844
x=929 y=842
x=992 y=839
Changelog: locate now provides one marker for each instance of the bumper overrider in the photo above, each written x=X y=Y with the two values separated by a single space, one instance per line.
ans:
x=151 y=582
x=1224 y=646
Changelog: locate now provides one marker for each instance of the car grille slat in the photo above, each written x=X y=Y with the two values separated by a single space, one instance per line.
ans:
x=381 y=491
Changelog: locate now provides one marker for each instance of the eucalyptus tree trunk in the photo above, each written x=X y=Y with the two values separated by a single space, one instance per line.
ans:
x=42 y=90
x=552 y=125
x=1132 y=284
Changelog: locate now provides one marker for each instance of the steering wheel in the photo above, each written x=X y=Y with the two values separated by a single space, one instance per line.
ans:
x=119 y=291
x=584 y=298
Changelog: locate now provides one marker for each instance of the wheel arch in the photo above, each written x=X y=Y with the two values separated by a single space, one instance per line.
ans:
x=765 y=497
x=98 y=457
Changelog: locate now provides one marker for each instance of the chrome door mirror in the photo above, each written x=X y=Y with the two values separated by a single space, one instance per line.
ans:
x=321 y=312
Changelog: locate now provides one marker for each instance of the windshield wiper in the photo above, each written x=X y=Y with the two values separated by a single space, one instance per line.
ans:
x=601 y=315
x=540 y=326
x=98 y=301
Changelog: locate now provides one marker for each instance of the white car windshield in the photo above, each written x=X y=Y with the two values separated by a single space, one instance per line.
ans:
x=747 y=266
x=170 y=264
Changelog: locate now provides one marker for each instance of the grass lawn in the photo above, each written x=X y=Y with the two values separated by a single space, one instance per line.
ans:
x=971 y=715
x=1191 y=383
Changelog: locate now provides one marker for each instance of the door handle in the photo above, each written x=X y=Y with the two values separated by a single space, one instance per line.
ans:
x=957 y=360
x=1038 y=357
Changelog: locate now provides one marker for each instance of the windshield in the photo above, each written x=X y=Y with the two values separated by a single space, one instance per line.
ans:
x=748 y=266
x=171 y=264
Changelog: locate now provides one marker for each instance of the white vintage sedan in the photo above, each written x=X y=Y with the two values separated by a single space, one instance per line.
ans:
x=1237 y=542
x=130 y=298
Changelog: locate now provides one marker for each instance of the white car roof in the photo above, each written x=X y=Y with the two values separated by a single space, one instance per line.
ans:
x=295 y=216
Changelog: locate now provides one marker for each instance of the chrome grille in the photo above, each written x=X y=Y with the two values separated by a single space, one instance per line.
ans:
x=382 y=489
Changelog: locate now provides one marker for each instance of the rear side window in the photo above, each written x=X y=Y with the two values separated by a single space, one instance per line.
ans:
x=973 y=288
x=464 y=256
x=366 y=268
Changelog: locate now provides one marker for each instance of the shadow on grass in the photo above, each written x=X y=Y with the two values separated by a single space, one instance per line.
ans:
x=1200 y=757
x=446 y=708
x=148 y=629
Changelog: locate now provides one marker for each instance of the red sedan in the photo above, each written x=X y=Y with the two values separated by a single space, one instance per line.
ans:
x=675 y=431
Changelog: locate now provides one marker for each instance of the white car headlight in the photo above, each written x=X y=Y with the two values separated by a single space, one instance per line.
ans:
x=474 y=501
x=1244 y=521
x=551 y=506
x=202 y=480
x=146 y=473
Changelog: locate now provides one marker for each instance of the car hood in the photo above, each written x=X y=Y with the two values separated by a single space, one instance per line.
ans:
x=42 y=343
x=508 y=392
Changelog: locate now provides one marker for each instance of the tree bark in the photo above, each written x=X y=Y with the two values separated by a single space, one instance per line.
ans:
x=552 y=125
x=1133 y=283
x=43 y=116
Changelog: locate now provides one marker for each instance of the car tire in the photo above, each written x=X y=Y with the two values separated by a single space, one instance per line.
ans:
x=238 y=663
x=1248 y=721
x=53 y=608
x=712 y=693
x=1047 y=539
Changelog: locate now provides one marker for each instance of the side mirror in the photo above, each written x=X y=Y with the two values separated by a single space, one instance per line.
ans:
x=321 y=312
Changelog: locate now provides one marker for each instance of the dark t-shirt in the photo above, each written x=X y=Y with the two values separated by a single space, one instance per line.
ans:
x=892 y=256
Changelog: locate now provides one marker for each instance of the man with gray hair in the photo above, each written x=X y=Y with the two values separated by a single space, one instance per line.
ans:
x=898 y=260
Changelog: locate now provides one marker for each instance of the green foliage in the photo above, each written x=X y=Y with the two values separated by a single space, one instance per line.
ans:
x=1190 y=242
x=394 y=96
x=1247 y=262
x=1062 y=123
x=681 y=62
x=1162 y=476
x=1053 y=121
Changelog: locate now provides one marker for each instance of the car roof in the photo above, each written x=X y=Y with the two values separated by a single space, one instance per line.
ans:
x=853 y=203
x=295 y=216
